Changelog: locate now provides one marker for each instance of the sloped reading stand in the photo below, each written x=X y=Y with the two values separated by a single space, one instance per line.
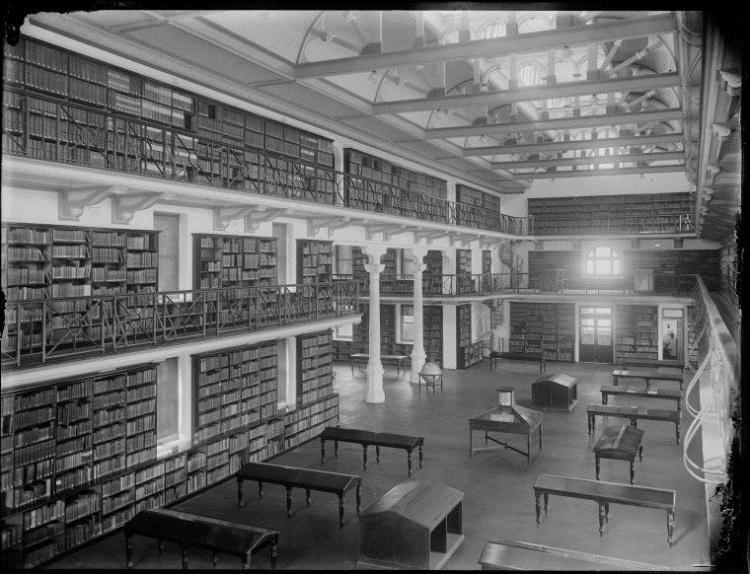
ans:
x=416 y=524
x=555 y=391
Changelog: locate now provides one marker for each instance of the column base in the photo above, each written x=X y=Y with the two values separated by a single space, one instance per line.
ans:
x=375 y=392
x=417 y=362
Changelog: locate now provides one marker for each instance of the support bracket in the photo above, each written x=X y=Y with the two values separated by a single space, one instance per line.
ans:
x=72 y=202
x=124 y=205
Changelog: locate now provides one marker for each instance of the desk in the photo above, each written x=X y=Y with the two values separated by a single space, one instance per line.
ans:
x=291 y=476
x=369 y=438
x=633 y=413
x=555 y=391
x=619 y=443
x=646 y=375
x=525 y=357
x=209 y=533
x=604 y=493
x=666 y=394
x=359 y=358
x=521 y=421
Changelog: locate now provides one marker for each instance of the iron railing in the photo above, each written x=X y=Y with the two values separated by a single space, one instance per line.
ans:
x=44 y=330
x=93 y=137
x=677 y=223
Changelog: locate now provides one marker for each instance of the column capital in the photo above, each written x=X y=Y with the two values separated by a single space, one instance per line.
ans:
x=416 y=253
x=374 y=252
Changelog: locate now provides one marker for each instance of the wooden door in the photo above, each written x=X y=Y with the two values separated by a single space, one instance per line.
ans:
x=596 y=344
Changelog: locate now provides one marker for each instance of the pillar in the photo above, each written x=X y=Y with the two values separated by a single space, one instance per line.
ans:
x=374 y=367
x=416 y=255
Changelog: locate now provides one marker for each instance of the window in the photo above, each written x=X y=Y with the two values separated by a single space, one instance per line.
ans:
x=407 y=323
x=602 y=260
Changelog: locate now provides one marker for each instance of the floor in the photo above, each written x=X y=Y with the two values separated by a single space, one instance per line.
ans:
x=498 y=499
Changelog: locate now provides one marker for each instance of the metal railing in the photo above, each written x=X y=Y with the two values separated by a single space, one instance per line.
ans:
x=40 y=331
x=677 y=223
x=93 y=137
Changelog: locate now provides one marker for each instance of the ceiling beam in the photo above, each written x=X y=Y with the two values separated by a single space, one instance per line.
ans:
x=530 y=93
x=663 y=156
x=575 y=144
x=494 y=47
x=555 y=124
x=610 y=172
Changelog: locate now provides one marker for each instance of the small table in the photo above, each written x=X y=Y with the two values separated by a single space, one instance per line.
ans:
x=647 y=375
x=619 y=443
x=193 y=530
x=370 y=438
x=667 y=394
x=291 y=476
x=634 y=413
x=359 y=358
x=498 y=419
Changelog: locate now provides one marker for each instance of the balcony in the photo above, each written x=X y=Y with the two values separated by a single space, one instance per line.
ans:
x=41 y=331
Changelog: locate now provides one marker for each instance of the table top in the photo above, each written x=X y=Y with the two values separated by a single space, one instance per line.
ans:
x=640 y=412
x=557 y=378
x=423 y=502
x=191 y=529
x=533 y=355
x=660 y=393
x=606 y=491
x=521 y=419
x=619 y=440
x=371 y=437
x=647 y=374
x=324 y=480
x=367 y=356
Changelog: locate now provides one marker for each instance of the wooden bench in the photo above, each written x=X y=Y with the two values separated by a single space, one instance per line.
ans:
x=634 y=413
x=646 y=375
x=604 y=494
x=198 y=531
x=359 y=358
x=291 y=476
x=654 y=363
x=370 y=438
x=513 y=356
x=666 y=394
x=511 y=555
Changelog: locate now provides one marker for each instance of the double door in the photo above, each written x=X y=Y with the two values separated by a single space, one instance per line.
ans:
x=596 y=341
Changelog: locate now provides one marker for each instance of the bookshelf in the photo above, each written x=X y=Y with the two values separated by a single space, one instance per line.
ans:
x=636 y=332
x=432 y=277
x=470 y=197
x=543 y=327
x=314 y=366
x=308 y=421
x=233 y=261
x=464 y=283
x=315 y=268
x=433 y=333
x=466 y=353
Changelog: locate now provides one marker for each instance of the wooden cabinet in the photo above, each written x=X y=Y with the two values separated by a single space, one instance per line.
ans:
x=414 y=525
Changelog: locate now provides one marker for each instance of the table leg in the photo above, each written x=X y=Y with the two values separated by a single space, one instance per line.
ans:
x=605 y=397
x=215 y=559
x=528 y=449
x=377 y=454
x=184 y=558
x=634 y=422
x=597 y=467
x=593 y=422
x=546 y=501
x=408 y=462
x=420 y=455
x=260 y=489
x=632 y=472
x=288 y=501
x=336 y=448
x=670 y=526
x=247 y=562
x=240 y=502
x=677 y=431
x=307 y=497
x=359 y=498
x=364 y=457
x=640 y=453
x=588 y=419
x=615 y=380
x=606 y=511
x=274 y=552
x=341 y=510
x=601 y=518
x=129 y=550
x=322 y=451
x=538 y=505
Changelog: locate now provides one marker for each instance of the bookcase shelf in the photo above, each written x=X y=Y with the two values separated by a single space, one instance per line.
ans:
x=543 y=327
x=467 y=353
x=314 y=366
x=315 y=268
x=233 y=261
x=636 y=332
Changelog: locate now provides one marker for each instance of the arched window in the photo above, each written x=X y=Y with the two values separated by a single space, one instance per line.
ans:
x=602 y=260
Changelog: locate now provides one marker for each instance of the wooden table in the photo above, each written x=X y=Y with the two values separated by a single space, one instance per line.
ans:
x=512 y=555
x=530 y=357
x=370 y=438
x=605 y=493
x=521 y=421
x=359 y=358
x=634 y=413
x=621 y=442
x=291 y=476
x=199 y=531
x=646 y=375
x=666 y=394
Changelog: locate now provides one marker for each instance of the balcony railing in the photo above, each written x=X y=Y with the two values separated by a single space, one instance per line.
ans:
x=41 y=331
x=93 y=137
x=677 y=223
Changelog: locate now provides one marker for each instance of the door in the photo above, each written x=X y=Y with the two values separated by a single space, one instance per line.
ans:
x=672 y=342
x=596 y=335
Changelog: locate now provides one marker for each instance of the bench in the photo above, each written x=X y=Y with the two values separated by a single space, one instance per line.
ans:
x=604 y=494
x=359 y=358
x=512 y=555
x=633 y=413
x=514 y=356
x=291 y=476
x=370 y=438
x=189 y=530
x=654 y=363
x=647 y=376
x=666 y=394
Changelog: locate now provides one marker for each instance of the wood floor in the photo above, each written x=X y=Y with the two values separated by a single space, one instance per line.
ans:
x=498 y=497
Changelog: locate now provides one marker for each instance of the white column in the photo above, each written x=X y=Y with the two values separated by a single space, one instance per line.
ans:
x=417 y=255
x=374 y=367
